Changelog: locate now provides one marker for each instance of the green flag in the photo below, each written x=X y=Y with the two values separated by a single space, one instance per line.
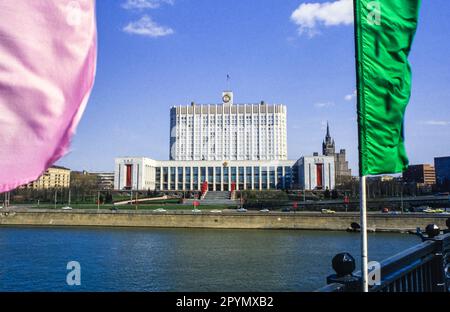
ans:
x=384 y=31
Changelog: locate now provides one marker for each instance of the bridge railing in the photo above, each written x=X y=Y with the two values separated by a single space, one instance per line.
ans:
x=421 y=268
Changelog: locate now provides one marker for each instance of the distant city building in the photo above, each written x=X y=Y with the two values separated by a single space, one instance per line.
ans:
x=82 y=180
x=104 y=180
x=423 y=174
x=381 y=178
x=328 y=146
x=316 y=172
x=342 y=171
x=53 y=177
x=442 y=168
x=387 y=178
x=228 y=131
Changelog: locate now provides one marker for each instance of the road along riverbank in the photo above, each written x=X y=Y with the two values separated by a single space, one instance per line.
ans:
x=377 y=222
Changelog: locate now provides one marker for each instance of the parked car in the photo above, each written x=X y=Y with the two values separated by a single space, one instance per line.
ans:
x=196 y=210
x=385 y=210
x=160 y=210
x=421 y=208
x=66 y=208
x=113 y=208
x=264 y=210
x=241 y=210
x=216 y=211
x=286 y=210
x=328 y=211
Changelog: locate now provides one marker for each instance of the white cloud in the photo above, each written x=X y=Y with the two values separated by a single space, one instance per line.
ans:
x=308 y=16
x=351 y=96
x=144 y=4
x=436 y=123
x=323 y=104
x=147 y=27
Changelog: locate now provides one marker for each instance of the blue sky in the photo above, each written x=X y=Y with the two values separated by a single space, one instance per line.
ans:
x=154 y=54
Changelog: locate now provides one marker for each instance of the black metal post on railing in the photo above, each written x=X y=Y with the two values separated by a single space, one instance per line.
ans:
x=344 y=266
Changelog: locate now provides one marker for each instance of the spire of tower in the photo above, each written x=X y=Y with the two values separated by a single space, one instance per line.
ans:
x=328 y=143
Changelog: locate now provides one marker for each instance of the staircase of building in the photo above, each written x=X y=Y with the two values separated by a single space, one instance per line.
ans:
x=215 y=198
x=218 y=197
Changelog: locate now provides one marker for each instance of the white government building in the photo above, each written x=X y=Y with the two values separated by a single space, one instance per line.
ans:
x=226 y=147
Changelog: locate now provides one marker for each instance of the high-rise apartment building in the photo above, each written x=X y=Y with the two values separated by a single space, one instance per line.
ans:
x=342 y=171
x=53 y=177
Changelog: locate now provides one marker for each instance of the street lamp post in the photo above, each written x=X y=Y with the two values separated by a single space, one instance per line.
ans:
x=7 y=199
x=137 y=193
x=401 y=198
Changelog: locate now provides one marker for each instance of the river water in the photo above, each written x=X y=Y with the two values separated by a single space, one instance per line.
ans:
x=117 y=259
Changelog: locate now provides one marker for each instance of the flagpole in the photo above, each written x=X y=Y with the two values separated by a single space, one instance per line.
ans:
x=362 y=177
x=363 y=220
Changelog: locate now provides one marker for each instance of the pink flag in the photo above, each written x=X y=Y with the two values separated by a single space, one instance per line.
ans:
x=48 y=54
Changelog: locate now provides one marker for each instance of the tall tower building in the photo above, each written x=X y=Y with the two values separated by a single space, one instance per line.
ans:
x=228 y=131
x=328 y=147
x=342 y=171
